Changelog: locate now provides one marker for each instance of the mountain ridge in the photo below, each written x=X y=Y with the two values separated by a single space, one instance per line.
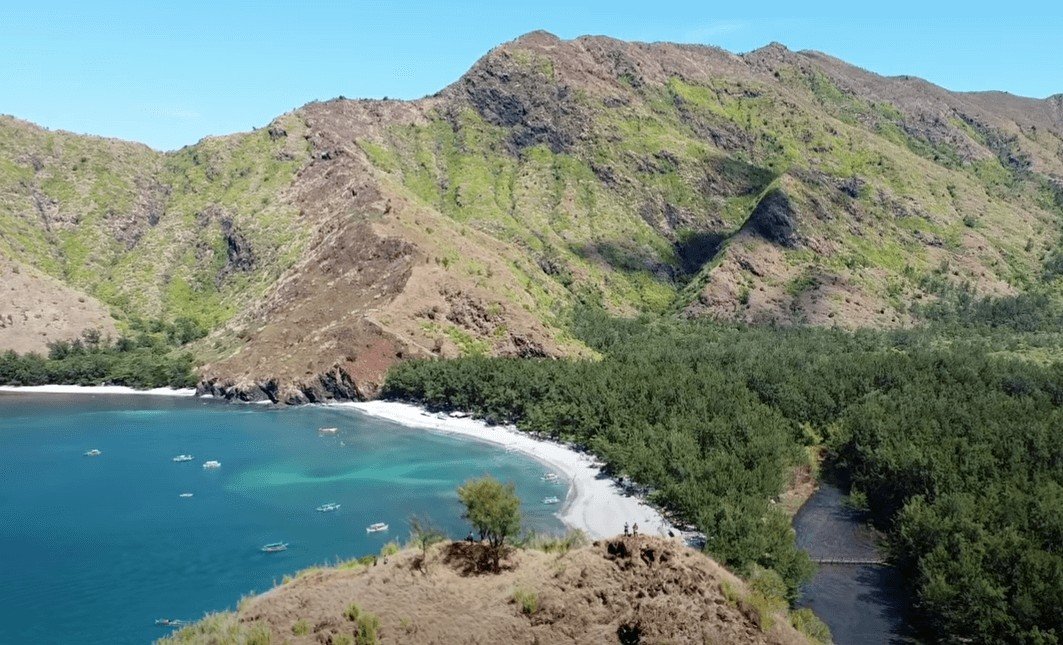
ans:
x=772 y=186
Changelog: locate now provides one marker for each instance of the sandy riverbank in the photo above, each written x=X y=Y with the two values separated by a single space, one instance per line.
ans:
x=595 y=503
x=95 y=389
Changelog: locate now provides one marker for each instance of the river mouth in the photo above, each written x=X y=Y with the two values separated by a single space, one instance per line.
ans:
x=861 y=603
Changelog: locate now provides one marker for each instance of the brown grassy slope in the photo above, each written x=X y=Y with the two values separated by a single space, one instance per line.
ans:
x=36 y=309
x=383 y=278
x=664 y=592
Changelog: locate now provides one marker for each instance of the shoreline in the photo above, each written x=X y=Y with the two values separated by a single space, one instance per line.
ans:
x=595 y=504
x=94 y=389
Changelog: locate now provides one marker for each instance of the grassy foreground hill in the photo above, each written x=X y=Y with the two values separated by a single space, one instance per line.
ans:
x=775 y=186
x=623 y=590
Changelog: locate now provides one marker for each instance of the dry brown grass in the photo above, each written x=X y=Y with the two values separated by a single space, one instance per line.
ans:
x=618 y=590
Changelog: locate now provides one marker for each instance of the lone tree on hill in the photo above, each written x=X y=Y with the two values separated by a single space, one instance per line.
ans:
x=424 y=535
x=493 y=509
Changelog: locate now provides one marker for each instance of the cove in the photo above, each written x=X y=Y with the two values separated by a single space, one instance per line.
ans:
x=97 y=548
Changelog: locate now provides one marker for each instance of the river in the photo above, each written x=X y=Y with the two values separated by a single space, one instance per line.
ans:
x=862 y=604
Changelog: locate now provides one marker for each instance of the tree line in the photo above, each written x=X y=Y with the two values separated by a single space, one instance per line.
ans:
x=148 y=357
x=954 y=442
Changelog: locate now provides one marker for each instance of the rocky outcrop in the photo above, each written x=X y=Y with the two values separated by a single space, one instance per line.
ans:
x=519 y=91
x=335 y=384
x=774 y=220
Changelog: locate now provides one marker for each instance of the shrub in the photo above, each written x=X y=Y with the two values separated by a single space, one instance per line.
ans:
x=556 y=544
x=352 y=612
x=768 y=583
x=730 y=594
x=810 y=625
x=527 y=599
x=301 y=627
x=222 y=628
x=368 y=627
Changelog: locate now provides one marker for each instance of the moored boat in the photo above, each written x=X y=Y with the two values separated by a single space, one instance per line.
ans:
x=185 y=495
x=327 y=430
x=551 y=500
x=328 y=507
x=376 y=528
x=170 y=622
x=211 y=464
x=93 y=453
x=183 y=458
x=274 y=547
x=549 y=477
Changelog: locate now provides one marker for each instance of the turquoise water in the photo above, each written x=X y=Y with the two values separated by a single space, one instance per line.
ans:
x=96 y=548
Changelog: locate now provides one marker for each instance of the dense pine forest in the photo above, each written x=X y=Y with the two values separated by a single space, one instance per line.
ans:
x=148 y=356
x=951 y=433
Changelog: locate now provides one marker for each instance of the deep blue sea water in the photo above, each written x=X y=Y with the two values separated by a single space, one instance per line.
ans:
x=95 y=548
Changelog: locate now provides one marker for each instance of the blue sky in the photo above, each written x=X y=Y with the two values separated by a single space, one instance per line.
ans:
x=170 y=72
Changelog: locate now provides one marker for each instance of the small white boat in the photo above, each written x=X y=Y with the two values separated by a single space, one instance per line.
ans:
x=376 y=528
x=549 y=477
x=327 y=430
x=551 y=500
x=211 y=464
x=328 y=508
x=183 y=458
x=274 y=547
x=458 y=415
x=185 y=495
x=170 y=622
x=93 y=453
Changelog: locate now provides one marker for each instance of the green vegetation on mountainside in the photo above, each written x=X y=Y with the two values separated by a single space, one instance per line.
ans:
x=954 y=444
x=654 y=186
x=196 y=233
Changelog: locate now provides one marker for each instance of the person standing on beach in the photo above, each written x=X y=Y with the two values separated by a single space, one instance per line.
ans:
x=627 y=531
x=635 y=529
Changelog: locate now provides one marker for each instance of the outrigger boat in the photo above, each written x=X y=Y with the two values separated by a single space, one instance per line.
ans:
x=211 y=464
x=93 y=453
x=327 y=430
x=376 y=528
x=185 y=495
x=183 y=458
x=328 y=508
x=274 y=547
x=549 y=477
x=551 y=500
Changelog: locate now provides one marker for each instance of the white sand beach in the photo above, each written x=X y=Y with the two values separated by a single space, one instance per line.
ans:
x=595 y=503
x=95 y=389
